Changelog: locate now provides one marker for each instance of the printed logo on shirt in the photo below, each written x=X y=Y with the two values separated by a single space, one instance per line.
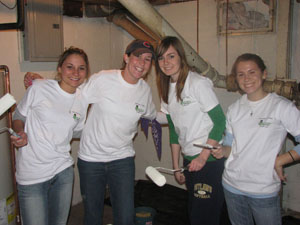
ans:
x=202 y=190
x=265 y=122
x=139 y=108
x=186 y=101
x=76 y=116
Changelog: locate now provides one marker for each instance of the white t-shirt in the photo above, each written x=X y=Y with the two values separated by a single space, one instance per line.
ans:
x=49 y=127
x=191 y=120
x=113 y=118
x=259 y=130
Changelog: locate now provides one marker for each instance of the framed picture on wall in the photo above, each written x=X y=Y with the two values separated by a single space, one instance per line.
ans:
x=236 y=17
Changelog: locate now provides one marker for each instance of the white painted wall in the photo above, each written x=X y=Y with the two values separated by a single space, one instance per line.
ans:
x=105 y=44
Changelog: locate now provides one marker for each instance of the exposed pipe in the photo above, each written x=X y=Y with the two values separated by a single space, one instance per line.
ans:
x=12 y=148
x=121 y=19
x=20 y=18
x=143 y=10
x=144 y=27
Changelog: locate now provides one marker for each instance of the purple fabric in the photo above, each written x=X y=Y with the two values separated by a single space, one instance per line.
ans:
x=156 y=133
x=145 y=125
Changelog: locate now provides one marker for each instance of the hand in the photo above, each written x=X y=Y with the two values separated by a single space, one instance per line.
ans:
x=19 y=142
x=199 y=162
x=279 y=170
x=29 y=77
x=179 y=176
x=218 y=153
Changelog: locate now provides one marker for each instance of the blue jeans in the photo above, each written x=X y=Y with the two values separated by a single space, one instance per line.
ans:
x=119 y=176
x=47 y=203
x=242 y=209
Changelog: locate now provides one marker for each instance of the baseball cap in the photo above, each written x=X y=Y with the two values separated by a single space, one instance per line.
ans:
x=138 y=47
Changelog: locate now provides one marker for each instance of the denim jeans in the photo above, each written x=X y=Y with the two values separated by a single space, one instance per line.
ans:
x=47 y=203
x=119 y=176
x=242 y=209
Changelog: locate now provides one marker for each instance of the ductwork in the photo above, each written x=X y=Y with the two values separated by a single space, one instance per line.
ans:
x=121 y=19
x=144 y=12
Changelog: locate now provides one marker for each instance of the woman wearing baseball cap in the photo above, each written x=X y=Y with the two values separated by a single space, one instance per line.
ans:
x=119 y=99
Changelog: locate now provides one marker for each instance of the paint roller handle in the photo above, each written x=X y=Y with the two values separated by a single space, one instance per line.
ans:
x=181 y=169
x=12 y=132
x=206 y=146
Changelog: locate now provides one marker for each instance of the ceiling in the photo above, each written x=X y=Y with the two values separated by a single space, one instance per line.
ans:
x=102 y=8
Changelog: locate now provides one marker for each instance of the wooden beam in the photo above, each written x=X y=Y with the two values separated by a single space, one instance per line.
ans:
x=283 y=8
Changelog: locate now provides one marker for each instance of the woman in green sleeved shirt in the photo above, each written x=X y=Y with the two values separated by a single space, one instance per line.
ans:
x=194 y=116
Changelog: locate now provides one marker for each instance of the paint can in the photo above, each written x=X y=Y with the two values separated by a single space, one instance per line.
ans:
x=144 y=215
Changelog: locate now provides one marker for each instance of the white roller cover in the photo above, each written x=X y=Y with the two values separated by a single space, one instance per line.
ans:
x=155 y=176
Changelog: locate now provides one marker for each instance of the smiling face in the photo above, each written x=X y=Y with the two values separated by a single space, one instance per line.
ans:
x=169 y=63
x=73 y=72
x=250 y=79
x=136 y=67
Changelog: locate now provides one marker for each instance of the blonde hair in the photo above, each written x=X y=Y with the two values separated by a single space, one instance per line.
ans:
x=72 y=51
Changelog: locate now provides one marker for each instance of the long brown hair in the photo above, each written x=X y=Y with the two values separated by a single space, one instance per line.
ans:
x=163 y=81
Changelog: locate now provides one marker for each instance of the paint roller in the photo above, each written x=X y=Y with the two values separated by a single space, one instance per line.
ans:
x=6 y=102
x=157 y=177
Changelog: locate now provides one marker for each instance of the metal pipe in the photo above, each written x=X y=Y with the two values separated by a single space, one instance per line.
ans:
x=12 y=148
x=121 y=19
x=143 y=10
x=144 y=27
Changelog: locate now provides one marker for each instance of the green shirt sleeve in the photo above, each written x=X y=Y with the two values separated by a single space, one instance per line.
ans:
x=218 y=118
x=173 y=135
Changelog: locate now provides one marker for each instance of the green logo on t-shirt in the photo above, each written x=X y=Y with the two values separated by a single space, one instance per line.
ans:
x=139 y=108
x=264 y=123
x=186 y=101
x=76 y=117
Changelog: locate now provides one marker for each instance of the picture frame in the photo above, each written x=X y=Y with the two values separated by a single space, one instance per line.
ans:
x=245 y=17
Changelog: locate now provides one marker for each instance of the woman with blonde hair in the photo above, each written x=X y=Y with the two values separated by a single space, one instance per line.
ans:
x=44 y=166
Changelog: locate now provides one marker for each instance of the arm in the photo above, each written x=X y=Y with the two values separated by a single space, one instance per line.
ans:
x=286 y=158
x=175 y=148
x=179 y=176
x=173 y=134
x=29 y=77
x=218 y=118
x=225 y=150
x=18 y=126
x=290 y=118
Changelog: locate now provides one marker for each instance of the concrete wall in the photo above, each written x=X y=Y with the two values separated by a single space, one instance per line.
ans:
x=105 y=44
